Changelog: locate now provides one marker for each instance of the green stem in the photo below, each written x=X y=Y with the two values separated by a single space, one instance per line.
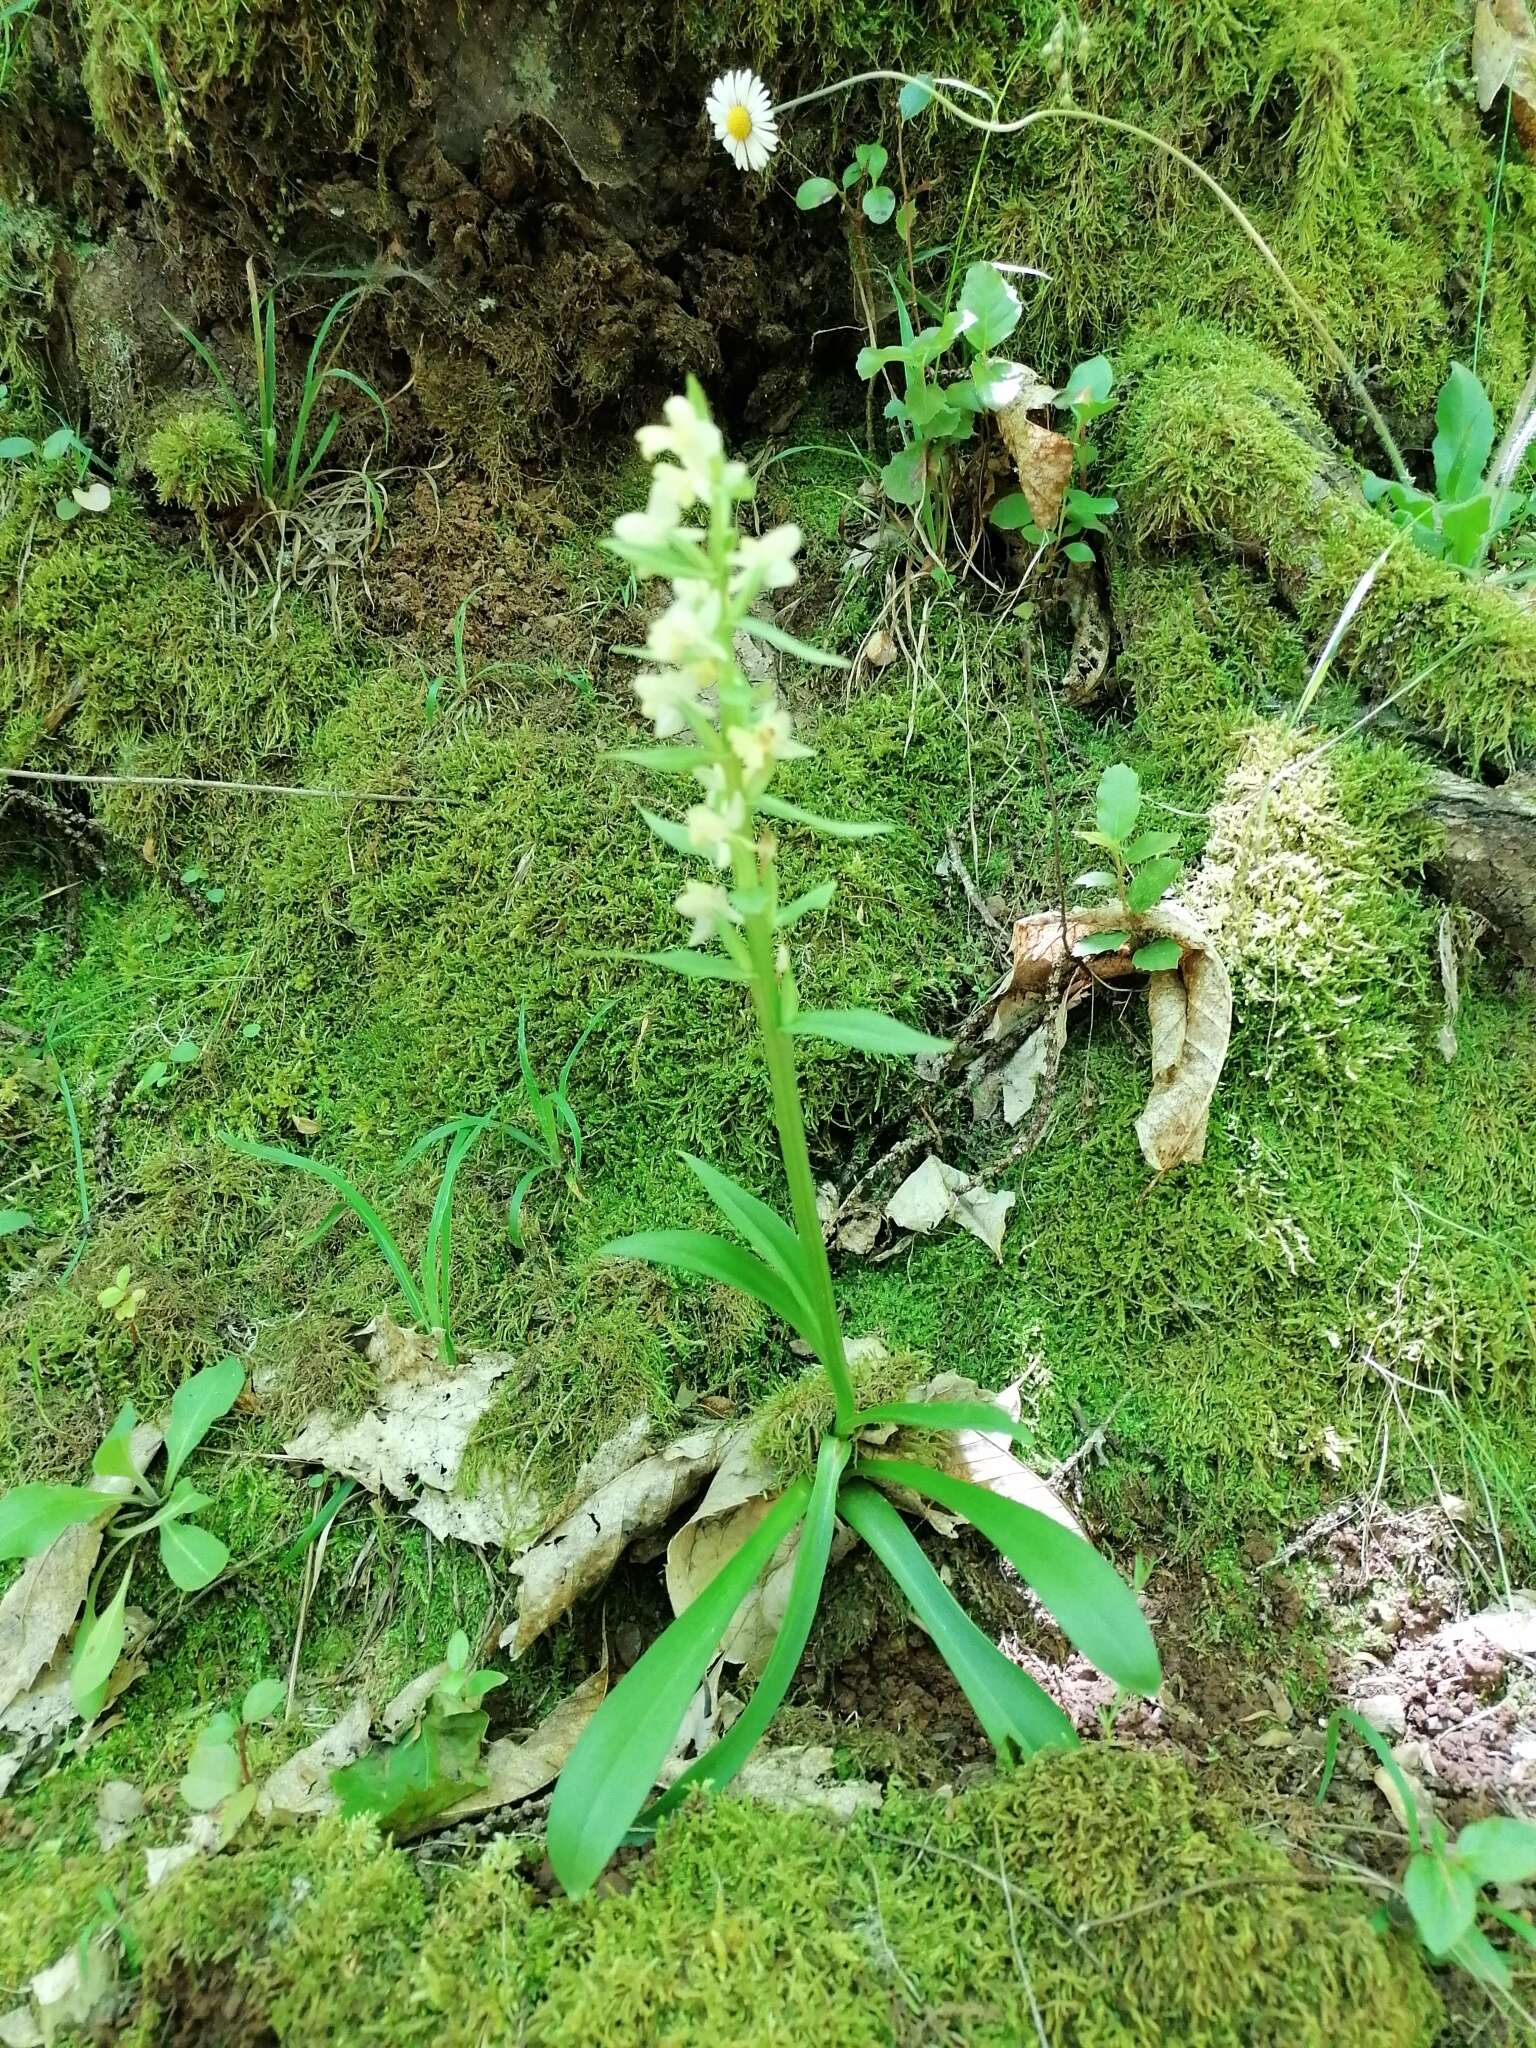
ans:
x=779 y=1053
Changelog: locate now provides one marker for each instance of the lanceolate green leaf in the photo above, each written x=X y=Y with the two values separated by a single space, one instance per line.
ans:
x=98 y=1645
x=1119 y=801
x=692 y=964
x=867 y=1030
x=981 y=1415
x=32 y=1516
x=114 y=1458
x=1016 y=1715
x=764 y=629
x=1464 y=436
x=758 y=1226
x=196 y=1406
x=715 y=1258
x=718 y=1765
x=1097 y=1611
x=356 y=1201
x=829 y=828
x=1442 y=1899
x=193 y=1557
x=614 y=1765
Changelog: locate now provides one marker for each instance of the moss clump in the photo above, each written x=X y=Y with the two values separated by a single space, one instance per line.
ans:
x=1144 y=1913
x=201 y=459
x=1217 y=442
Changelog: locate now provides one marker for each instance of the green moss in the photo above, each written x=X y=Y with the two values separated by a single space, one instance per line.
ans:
x=1217 y=442
x=1135 y=1909
x=201 y=459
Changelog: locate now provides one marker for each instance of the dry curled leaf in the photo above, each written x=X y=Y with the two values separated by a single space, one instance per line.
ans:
x=303 y=1784
x=583 y=1549
x=1042 y=457
x=937 y=1192
x=1504 y=55
x=1189 y=1008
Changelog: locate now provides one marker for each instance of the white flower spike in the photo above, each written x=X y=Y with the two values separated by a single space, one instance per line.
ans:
x=741 y=114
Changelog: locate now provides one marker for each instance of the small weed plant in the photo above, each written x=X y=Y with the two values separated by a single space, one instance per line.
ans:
x=285 y=460
x=556 y=1146
x=64 y=462
x=218 y=1777
x=729 y=737
x=1085 y=397
x=1445 y=1888
x=130 y=1507
x=1475 y=505
x=436 y=1763
x=1141 y=872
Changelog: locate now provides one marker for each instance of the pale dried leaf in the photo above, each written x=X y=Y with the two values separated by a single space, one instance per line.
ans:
x=45 y=1709
x=410 y=1702
x=1022 y=1077
x=118 y=1806
x=202 y=1838
x=411 y=1444
x=516 y=1769
x=987 y=1458
x=937 y=1193
x=1042 y=458
x=799 y=1776
x=1450 y=985
x=1504 y=54
x=1190 y=1010
x=303 y=1784
x=19 y=2028
x=583 y=1549
x=879 y=650
x=41 y=1603
x=78 y=1992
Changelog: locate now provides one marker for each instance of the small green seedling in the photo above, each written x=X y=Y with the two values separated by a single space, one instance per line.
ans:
x=401 y=1784
x=1142 y=869
x=1086 y=395
x=558 y=1141
x=65 y=460
x=862 y=185
x=465 y=679
x=218 y=1776
x=1442 y=1889
x=123 y=1296
x=13 y=1221
x=1474 y=501
x=33 y=1516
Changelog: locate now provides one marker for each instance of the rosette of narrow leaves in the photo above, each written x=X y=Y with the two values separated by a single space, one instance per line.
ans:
x=33 y=1516
x=731 y=737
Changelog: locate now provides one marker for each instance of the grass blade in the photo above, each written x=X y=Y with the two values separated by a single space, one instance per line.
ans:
x=719 y=1764
x=1016 y=1715
x=1095 y=1608
x=981 y=1415
x=625 y=1744
x=437 y=1253
x=356 y=1201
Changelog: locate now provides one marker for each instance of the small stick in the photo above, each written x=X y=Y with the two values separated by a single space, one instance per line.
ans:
x=973 y=895
x=364 y=796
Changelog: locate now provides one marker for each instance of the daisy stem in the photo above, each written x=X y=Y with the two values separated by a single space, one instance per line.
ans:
x=941 y=88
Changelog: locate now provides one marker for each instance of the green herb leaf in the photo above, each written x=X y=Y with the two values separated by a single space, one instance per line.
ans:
x=989 y=306
x=212 y=1774
x=32 y=1516
x=1095 y=878
x=879 y=204
x=1078 y=551
x=693 y=964
x=1093 y=1605
x=113 y=1459
x=1012 y=514
x=1151 y=883
x=802 y=906
x=765 y=630
x=262 y=1701
x=671 y=832
x=1147 y=845
x=815 y=192
x=1498 y=1851
x=1118 y=801
x=1442 y=1899
x=762 y=1229
x=1102 y=942
x=1464 y=436
x=16 y=448
x=1158 y=956
x=13 y=1220
x=982 y=1415
x=866 y=1030
x=904 y=478
x=410 y=1782
x=614 y=1765
x=914 y=96
x=196 y=1406
x=193 y=1557
x=1016 y=1715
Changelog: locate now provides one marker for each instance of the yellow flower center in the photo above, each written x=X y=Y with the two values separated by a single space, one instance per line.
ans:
x=738 y=123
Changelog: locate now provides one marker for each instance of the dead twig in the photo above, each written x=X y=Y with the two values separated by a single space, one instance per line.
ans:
x=361 y=796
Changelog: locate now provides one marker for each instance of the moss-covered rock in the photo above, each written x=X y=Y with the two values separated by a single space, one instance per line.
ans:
x=1100 y=1888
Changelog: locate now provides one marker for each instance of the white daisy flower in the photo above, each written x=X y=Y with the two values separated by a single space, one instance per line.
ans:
x=741 y=114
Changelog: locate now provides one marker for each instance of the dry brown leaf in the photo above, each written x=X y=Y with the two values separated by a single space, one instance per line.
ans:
x=46 y=1709
x=303 y=1784
x=1189 y=1008
x=584 y=1548
x=879 y=650
x=411 y=1442
x=1042 y=458
x=987 y=1457
x=937 y=1192
x=1504 y=54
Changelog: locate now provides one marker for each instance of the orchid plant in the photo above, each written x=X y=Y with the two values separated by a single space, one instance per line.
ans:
x=729 y=736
